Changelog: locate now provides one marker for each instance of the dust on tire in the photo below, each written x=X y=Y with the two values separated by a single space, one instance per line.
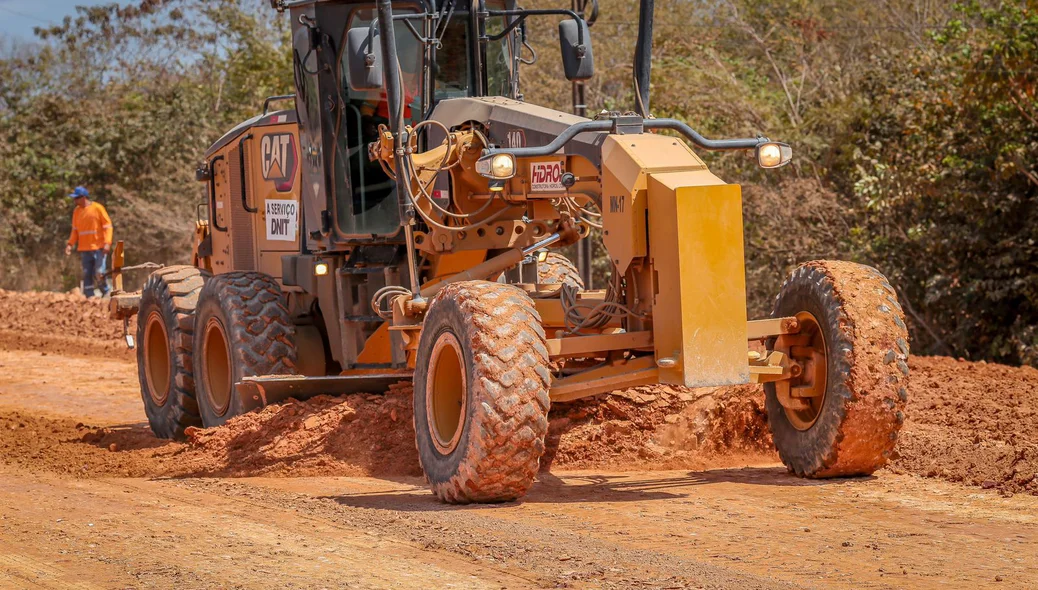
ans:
x=260 y=336
x=867 y=371
x=502 y=434
x=170 y=295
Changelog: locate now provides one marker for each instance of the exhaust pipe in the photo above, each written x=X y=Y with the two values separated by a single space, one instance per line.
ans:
x=643 y=58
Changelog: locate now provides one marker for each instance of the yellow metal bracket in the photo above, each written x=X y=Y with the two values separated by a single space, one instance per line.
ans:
x=594 y=345
x=603 y=379
x=776 y=366
x=761 y=329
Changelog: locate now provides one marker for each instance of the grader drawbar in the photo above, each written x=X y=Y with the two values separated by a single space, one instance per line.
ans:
x=404 y=222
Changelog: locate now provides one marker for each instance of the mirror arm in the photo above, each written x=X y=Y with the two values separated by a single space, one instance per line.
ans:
x=523 y=13
x=511 y=27
x=707 y=144
x=414 y=31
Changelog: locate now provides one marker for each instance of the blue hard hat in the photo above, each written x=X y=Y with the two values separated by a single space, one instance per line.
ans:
x=80 y=191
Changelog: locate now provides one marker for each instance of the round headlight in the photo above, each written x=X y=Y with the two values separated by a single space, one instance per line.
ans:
x=503 y=166
x=773 y=155
x=770 y=155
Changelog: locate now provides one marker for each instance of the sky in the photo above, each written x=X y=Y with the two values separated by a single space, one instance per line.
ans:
x=18 y=17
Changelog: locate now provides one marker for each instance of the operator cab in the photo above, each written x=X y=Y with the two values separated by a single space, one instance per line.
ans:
x=349 y=197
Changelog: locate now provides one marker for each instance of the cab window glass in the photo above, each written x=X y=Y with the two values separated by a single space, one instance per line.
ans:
x=453 y=74
x=499 y=56
x=366 y=197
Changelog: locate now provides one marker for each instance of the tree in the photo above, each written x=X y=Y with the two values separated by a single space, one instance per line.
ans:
x=125 y=100
x=945 y=174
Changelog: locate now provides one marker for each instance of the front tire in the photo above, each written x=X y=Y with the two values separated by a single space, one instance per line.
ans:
x=165 y=340
x=481 y=393
x=849 y=424
x=243 y=329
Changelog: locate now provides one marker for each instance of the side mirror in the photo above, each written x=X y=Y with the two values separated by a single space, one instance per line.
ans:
x=365 y=59
x=203 y=173
x=577 y=59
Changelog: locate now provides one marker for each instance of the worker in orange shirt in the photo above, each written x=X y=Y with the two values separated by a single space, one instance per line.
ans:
x=92 y=230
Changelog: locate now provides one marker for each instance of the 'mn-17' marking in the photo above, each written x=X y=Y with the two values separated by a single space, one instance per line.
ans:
x=616 y=203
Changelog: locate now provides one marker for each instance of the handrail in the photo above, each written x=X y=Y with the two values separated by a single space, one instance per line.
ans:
x=244 y=187
x=270 y=99
x=556 y=144
x=611 y=125
x=212 y=193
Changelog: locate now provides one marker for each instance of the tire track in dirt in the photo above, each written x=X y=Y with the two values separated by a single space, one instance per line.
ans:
x=189 y=534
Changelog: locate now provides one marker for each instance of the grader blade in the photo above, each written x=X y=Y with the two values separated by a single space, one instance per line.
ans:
x=257 y=392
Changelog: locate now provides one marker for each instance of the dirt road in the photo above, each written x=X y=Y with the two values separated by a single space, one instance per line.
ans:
x=88 y=499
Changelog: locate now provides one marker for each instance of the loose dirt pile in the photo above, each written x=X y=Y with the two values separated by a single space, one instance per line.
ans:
x=661 y=427
x=973 y=423
x=348 y=435
x=374 y=435
x=63 y=323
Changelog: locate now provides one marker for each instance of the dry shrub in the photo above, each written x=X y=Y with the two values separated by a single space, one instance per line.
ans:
x=787 y=224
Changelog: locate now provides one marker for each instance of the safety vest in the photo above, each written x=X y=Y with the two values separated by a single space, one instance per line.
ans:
x=91 y=227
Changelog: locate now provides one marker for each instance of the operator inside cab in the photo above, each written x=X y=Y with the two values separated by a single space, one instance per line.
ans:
x=364 y=192
x=363 y=112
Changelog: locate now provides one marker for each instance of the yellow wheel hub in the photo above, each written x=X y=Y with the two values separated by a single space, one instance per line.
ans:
x=803 y=395
x=217 y=369
x=446 y=398
x=157 y=367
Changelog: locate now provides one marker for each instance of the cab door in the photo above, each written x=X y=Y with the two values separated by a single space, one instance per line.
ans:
x=309 y=65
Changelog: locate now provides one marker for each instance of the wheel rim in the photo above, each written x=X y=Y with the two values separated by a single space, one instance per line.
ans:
x=157 y=367
x=216 y=372
x=803 y=395
x=446 y=398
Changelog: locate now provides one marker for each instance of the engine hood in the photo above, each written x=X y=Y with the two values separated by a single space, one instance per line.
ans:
x=514 y=124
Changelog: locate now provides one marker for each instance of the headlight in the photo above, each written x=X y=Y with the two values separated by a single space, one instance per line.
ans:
x=497 y=166
x=502 y=166
x=774 y=155
x=321 y=269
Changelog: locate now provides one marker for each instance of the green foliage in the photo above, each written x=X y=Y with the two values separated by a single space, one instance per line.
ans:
x=945 y=175
x=125 y=100
x=914 y=125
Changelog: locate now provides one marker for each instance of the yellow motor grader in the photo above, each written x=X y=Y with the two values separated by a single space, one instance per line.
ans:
x=403 y=221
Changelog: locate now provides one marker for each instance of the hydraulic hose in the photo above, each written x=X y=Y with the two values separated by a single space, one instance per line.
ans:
x=394 y=98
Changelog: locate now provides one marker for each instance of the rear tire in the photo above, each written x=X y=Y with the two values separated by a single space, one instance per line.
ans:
x=556 y=269
x=852 y=430
x=165 y=340
x=481 y=393
x=243 y=329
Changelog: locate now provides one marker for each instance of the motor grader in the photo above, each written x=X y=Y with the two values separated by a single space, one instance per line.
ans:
x=403 y=222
